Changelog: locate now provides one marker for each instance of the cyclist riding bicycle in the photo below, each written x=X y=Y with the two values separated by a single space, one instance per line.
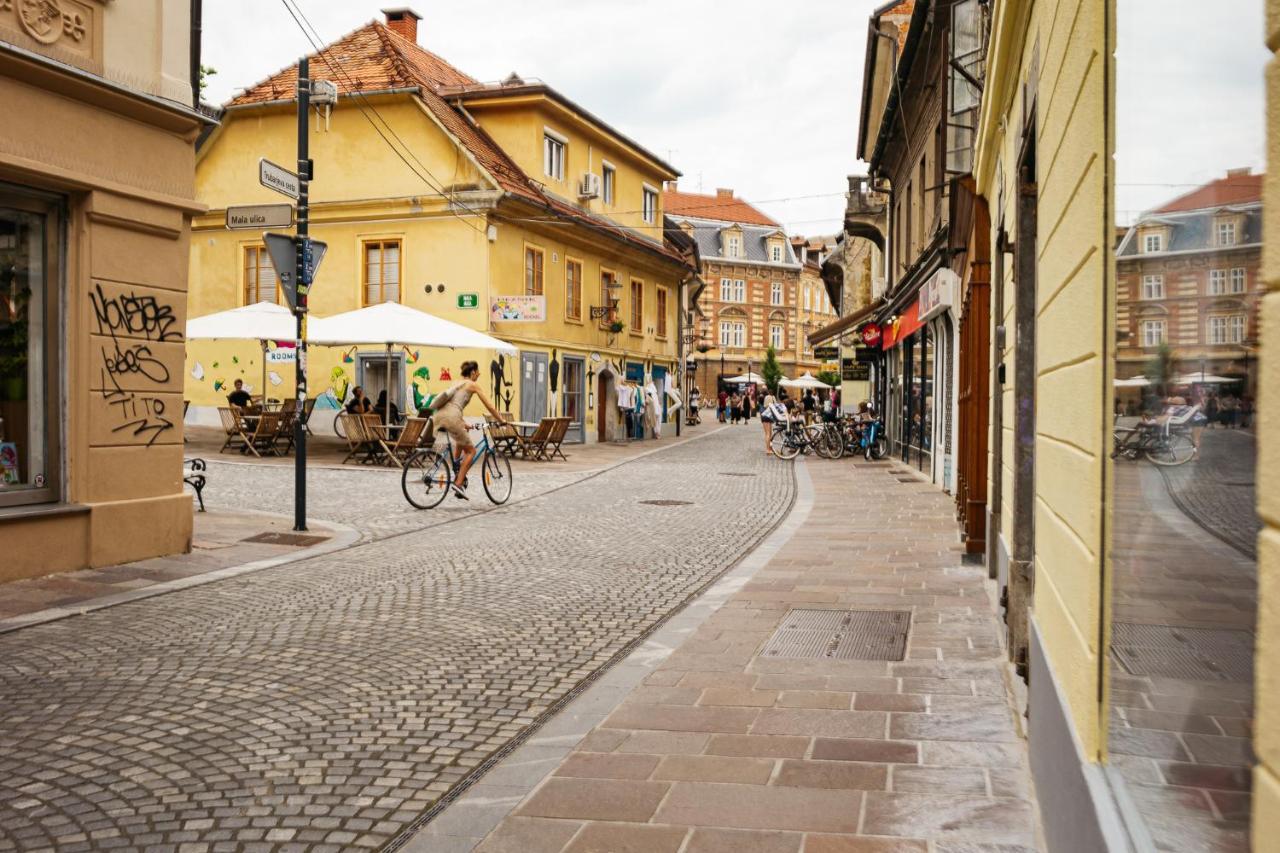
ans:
x=447 y=412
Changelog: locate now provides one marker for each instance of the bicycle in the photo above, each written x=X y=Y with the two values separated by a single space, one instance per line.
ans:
x=791 y=439
x=1159 y=444
x=428 y=473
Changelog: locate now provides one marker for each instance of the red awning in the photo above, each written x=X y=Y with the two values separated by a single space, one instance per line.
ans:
x=906 y=323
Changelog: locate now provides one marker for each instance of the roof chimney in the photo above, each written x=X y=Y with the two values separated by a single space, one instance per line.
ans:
x=673 y=186
x=723 y=193
x=1240 y=172
x=403 y=21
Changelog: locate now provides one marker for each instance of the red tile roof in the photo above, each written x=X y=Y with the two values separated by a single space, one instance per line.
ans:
x=376 y=58
x=1235 y=188
x=726 y=208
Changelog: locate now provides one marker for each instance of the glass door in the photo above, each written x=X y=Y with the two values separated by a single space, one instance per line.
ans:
x=571 y=399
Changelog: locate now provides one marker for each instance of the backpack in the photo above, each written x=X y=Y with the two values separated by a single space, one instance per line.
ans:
x=442 y=399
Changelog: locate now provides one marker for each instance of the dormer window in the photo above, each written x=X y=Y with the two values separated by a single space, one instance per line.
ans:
x=1153 y=242
x=1226 y=232
x=775 y=253
x=735 y=246
x=553 y=150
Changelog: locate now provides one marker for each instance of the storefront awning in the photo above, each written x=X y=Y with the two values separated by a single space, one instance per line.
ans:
x=900 y=327
x=844 y=324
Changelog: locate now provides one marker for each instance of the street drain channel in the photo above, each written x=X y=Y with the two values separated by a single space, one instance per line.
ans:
x=298 y=539
x=841 y=635
x=735 y=474
x=1170 y=651
x=668 y=503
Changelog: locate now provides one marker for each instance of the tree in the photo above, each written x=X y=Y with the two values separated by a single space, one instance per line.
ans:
x=771 y=371
x=1160 y=369
x=829 y=377
x=205 y=73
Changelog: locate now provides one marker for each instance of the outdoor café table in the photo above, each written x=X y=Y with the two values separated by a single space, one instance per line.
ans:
x=525 y=427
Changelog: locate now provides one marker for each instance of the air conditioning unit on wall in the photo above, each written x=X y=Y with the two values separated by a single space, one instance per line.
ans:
x=590 y=186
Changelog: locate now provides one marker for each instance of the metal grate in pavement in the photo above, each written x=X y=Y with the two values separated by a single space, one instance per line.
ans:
x=735 y=474
x=1170 y=651
x=667 y=503
x=841 y=635
x=299 y=539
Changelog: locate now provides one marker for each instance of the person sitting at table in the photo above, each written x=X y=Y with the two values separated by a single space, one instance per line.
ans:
x=240 y=397
x=359 y=404
x=380 y=408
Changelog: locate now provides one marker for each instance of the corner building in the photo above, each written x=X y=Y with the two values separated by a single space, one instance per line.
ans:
x=96 y=197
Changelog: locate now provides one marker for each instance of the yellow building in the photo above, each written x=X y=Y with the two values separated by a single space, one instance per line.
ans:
x=1042 y=155
x=504 y=207
x=1266 y=743
x=96 y=195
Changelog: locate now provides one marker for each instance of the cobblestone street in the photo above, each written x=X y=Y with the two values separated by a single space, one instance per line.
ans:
x=326 y=704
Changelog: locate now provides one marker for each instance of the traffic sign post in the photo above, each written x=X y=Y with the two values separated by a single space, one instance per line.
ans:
x=305 y=267
x=283 y=249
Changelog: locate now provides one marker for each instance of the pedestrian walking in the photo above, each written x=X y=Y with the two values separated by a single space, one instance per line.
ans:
x=722 y=400
x=809 y=405
x=772 y=413
x=735 y=407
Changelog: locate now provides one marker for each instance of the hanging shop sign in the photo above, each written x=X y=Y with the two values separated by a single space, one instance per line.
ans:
x=518 y=309
x=870 y=334
x=901 y=327
x=828 y=353
x=937 y=294
x=852 y=370
x=865 y=354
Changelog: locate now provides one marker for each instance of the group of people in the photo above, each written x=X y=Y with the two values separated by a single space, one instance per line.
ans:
x=733 y=406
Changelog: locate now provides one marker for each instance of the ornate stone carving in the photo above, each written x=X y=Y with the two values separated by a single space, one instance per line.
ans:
x=46 y=21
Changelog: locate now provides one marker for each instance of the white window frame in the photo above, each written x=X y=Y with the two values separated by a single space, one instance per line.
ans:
x=1235 y=329
x=1216 y=329
x=739 y=290
x=608 y=181
x=1239 y=280
x=733 y=246
x=649 y=203
x=776 y=297
x=1153 y=242
x=726 y=290
x=776 y=336
x=555 y=152
x=1217 y=282
x=739 y=334
x=1159 y=327
x=1226 y=233
x=775 y=253
x=1153 y=286
x=808 y=298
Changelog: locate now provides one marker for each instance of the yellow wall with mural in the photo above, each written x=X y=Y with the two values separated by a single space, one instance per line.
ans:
x=1070 y=87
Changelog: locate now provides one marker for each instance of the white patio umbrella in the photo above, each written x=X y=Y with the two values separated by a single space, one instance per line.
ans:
x=1133 y=382
x=746 y=379
x=261 y=322
x=808 y=380
x=1202 y=379
x=393 y=324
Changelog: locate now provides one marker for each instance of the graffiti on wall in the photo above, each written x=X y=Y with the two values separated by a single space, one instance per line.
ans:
x=132 y=373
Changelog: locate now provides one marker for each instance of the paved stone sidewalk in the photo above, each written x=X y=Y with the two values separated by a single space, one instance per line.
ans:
x=324 y=705
x=720 y=749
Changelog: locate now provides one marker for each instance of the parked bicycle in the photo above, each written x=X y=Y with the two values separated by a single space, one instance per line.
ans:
x=791 y=439
x=429 y=472
x=1159 y=443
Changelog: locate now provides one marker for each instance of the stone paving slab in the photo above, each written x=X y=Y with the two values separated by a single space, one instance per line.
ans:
x=718 y=749
x=328 y=704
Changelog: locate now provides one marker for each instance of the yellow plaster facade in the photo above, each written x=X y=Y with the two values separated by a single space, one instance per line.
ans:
x=475 y=245
x=1029 y=55
x=1266 y=746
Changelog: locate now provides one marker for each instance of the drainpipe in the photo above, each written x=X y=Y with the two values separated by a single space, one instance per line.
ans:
x=196 y=16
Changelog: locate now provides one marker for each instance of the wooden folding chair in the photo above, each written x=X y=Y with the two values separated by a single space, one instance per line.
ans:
x=233 y=426
x=535 y=446
x=372 y=433
x=265 y=434
x=558 y=432
x=504 y=437
x=406 y=443
x=288 y=417
x=307 y=408
x=353 y=429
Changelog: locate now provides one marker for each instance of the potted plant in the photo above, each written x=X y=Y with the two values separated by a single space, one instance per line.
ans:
x=616 y=326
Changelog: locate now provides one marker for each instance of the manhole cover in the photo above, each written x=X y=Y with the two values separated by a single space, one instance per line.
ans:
x=909 y=480
x=1199 y=654
x=841 y=634
x=301 y=540
x=735 y=474
x=668 y=503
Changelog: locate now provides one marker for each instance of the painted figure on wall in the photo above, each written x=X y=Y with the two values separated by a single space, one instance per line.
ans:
x=333 y=396
x=501 y=385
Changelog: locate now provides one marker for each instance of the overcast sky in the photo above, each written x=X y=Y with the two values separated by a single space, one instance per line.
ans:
x=762 y=99
x=765 y=99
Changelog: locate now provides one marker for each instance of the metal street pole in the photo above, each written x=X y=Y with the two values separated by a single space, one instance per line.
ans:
x=303 y=279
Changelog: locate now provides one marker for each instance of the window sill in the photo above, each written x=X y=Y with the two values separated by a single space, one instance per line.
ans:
x=46 y=510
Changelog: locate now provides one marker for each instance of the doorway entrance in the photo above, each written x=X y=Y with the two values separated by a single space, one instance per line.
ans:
x=607 y=406
x=377 y=373
x=533 y=386
x=571 y=394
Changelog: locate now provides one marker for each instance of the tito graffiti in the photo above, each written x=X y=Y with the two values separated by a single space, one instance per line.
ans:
x=133 y=324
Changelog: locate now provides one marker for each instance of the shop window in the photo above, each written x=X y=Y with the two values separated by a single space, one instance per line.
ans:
x=260 y=282
x=29 y=423
x=533 y=259
x=381 y=271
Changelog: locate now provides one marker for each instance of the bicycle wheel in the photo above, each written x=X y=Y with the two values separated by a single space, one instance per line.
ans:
x=338 y=425
x=786 y=445
x=425 y=479
x=1177 y=449
x=495 y=474
x=827 y=443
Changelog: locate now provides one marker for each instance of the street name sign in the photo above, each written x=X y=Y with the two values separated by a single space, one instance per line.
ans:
x=260 y=216
x=283 y=251
x=276 y=177
x=468 y=300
